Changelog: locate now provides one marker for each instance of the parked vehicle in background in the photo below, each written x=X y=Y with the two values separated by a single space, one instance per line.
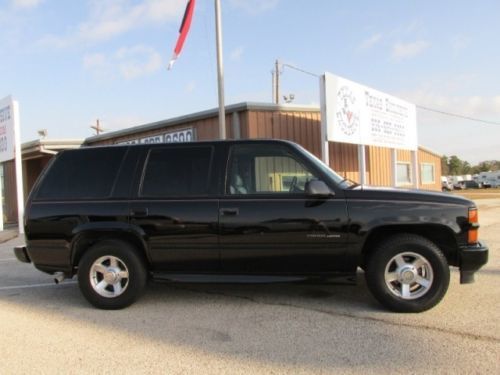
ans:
x=240 y=211
x=488 y=179
x=472 y=185
x=445 y=184
x=456 y=181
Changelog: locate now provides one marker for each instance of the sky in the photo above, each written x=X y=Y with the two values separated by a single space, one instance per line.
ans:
x=69 y=63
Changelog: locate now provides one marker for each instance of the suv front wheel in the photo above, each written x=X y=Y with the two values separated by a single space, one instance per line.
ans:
x=407 y=273
x=111 y=274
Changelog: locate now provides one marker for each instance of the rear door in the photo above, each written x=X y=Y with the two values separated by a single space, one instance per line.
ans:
x=268 y=224
x=177 y=208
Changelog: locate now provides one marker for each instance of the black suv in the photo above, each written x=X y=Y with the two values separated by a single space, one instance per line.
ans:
x=255 y=211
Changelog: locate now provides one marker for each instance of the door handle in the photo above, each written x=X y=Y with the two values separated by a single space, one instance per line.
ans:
x=229 y=211
x=139 y=212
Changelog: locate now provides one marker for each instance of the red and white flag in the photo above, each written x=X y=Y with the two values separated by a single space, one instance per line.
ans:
x=183 y=31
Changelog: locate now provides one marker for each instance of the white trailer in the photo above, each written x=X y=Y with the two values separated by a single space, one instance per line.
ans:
x=489 y=179
x=457 y=182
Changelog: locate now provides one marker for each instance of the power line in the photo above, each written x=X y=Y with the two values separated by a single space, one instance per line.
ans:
x=458 y=115
x=300 y=70
x=418 y=106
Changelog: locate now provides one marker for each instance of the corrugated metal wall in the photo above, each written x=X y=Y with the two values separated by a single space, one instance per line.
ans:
x=299 y=127
x=379 y=169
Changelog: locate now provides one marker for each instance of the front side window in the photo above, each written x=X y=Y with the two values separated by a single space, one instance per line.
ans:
x=175 y=172
x=263 y=169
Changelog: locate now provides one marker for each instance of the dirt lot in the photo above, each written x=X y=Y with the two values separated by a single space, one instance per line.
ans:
x=476 y=194
x=249 y=329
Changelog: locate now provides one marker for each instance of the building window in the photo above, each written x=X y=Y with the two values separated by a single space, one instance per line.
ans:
x=403 y=173
x=427 y=173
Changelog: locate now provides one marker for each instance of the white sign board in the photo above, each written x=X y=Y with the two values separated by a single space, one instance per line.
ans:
x=10 y=148
x=185 y=135
x=361 y=115
x=6 y=129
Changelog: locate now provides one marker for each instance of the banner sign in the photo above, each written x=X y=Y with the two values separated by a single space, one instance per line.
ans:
x=184 y=135
x=6 y=129
x=361 y=115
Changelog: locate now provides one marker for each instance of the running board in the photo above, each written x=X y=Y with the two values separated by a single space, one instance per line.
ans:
x=349 y=279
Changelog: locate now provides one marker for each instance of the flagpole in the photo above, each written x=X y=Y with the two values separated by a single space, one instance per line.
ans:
x=220 y=71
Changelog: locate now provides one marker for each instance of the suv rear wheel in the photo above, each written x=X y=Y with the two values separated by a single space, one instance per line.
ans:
x=112 y=274
x=407 y=273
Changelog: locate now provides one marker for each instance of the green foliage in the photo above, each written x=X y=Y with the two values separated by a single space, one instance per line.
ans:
x=453 y=165
x=487 y=166
x=445 y=170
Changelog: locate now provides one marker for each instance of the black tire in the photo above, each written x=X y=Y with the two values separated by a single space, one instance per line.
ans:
x=112 y=290
x=416 y=262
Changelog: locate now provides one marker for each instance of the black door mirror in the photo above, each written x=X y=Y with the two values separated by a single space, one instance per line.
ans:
x=318 y=188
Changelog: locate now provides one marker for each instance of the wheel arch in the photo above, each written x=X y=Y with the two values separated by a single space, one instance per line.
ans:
x=442 y=236
x=87 y=237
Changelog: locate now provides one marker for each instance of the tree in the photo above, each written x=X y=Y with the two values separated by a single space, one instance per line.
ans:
x=454 y=165
x=466 y=168
x=445 y=170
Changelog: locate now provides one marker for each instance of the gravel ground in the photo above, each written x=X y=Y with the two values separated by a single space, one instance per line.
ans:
x=233 y=329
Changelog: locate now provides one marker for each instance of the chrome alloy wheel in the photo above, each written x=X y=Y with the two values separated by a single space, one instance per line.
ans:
x=408 y=275
x=109 y=276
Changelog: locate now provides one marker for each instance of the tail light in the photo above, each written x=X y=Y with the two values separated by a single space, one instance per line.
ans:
x=472 y=236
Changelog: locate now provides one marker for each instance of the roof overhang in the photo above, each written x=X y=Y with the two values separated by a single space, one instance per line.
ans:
x=40 y=147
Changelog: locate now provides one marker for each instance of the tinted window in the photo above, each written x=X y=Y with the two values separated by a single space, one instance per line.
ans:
x=180 y=171
x=260 y=169
x=85 y=173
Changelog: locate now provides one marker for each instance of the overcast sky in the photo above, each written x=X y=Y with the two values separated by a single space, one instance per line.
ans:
x=71 y=62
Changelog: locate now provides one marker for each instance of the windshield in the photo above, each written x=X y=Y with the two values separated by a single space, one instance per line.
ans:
x=342 y=182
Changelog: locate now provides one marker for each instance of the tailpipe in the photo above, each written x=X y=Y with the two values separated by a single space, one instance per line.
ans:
x=59 y=277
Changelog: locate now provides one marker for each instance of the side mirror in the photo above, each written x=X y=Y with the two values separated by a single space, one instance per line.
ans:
x=318 y=188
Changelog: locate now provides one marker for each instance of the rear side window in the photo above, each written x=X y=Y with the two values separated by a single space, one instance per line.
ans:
x=175 y=172
x=86 y=173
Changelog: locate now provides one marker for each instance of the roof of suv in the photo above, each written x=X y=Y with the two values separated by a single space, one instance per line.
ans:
x=205 y=142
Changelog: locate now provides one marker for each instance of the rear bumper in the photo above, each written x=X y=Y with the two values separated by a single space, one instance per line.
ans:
x=21 y=254
x=472 y=258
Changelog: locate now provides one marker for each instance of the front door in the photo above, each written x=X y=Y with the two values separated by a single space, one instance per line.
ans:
x=268 y=224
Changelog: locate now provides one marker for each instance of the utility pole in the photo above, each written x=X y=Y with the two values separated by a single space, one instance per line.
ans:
x=97 y=127
x=276 y=78
x=277 y=82
x=220 y=71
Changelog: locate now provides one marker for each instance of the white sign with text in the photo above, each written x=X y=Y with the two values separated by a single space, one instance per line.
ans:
x=361 y=115
x=7 y=123
x=10 y=148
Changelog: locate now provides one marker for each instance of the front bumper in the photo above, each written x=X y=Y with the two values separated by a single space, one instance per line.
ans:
x=21 y=254
x=472 y=258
